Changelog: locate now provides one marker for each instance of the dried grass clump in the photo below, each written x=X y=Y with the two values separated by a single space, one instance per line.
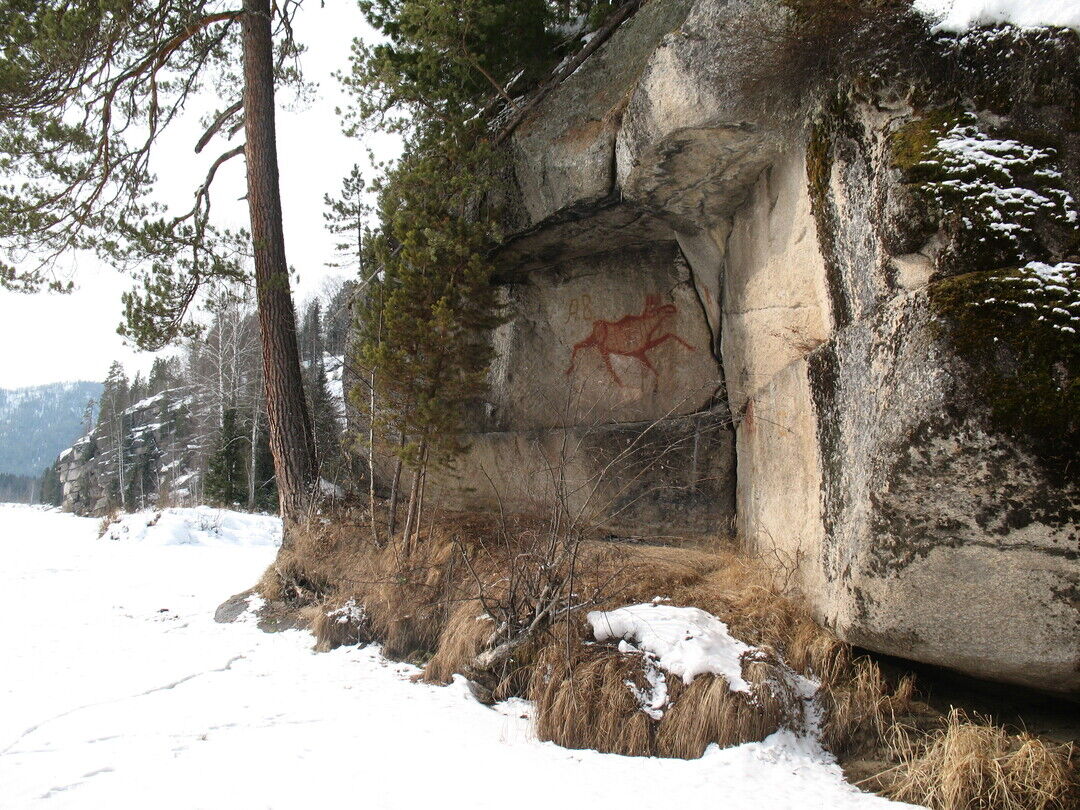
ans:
x=971 y=764
x=707 y=711
x=338 y=623
x=584 y=701
x=466 y=633
x=408 y=597
x=860 y=707
x=815 y=652
x=587 y=696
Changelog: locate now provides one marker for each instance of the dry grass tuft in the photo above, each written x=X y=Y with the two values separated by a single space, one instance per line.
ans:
x=409 y=598
x=971 y=764
x=861 y=706
x=588 y=696
x=816 y=653
x=466 y=633
x=588 y=703
x=338 y=623
x=707 y=711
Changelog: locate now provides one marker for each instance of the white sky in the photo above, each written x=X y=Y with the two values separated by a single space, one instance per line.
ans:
x=49 y=338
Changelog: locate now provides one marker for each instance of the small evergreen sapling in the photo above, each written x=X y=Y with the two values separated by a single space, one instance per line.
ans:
x=225 y=483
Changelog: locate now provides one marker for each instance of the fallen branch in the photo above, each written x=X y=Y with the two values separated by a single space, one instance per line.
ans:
x=602 y=35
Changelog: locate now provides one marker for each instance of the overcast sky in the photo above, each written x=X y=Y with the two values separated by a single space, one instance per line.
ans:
x=49 y=338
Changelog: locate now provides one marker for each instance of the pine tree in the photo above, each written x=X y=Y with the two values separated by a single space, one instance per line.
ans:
x=443 y=60
x=89 y=417
x=339 y=318
x=225 y=484
x=346 y=216
x=265 y=485
x=425 y=319
x=87 y=88
x=137 y=390
x=162 y=375
x=112 y=434
x=52 y=491
x=311 y=334
x=327 y=425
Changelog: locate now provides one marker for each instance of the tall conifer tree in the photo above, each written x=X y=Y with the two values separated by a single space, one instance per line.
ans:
x=87 y=87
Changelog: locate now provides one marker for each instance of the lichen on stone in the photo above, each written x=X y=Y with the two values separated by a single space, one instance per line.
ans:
x=833 y=124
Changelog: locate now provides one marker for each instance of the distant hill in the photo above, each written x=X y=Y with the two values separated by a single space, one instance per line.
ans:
x=37 y=423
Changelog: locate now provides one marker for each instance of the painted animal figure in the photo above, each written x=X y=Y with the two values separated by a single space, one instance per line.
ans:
x=631 y=336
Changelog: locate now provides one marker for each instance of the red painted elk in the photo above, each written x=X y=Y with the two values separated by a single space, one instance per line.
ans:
x=631 y=336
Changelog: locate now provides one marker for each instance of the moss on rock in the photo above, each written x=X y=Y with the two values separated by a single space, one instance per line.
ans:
x=1018 y=330
x=914 y=142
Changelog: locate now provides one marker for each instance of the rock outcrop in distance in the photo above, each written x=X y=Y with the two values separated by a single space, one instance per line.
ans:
x=848 y=338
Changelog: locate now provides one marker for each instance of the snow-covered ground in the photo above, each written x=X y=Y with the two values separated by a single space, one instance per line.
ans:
x=118 y=690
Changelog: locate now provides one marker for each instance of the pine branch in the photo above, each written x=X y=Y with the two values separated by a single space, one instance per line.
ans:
x=218 y=123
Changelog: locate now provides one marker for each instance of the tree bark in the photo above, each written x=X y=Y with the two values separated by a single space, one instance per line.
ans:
x=254 y=453
x=371 y=464
x=287 y=414
x=395 y=487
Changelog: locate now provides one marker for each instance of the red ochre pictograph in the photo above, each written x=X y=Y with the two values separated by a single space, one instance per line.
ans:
x=631 y=336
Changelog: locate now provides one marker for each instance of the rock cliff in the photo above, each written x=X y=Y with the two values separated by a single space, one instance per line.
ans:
x=155 y=462
x=732 y=312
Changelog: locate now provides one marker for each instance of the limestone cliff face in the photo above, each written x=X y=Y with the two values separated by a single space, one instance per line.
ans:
x=722 y=321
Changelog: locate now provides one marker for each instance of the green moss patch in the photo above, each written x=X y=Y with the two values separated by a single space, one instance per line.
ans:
x=916 y=140
x=1019 y=331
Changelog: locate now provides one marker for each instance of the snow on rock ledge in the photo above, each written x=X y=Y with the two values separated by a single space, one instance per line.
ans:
x=198 y=526
x=686 y=641
x=960 y=15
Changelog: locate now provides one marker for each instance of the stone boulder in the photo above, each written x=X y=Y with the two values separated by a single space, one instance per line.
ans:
x=764 y=299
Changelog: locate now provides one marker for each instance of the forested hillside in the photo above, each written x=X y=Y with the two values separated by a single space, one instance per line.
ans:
x=195 y=429
x=37 y=423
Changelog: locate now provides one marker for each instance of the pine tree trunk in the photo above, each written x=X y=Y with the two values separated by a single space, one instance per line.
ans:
x=254 y=454
x=289 y=425
x=410 y=514
x=395 y=488
x=422 y=490
x=371 y=463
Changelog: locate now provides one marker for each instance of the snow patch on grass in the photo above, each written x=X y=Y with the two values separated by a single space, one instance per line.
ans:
x=350 y=612
x=685 y=641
